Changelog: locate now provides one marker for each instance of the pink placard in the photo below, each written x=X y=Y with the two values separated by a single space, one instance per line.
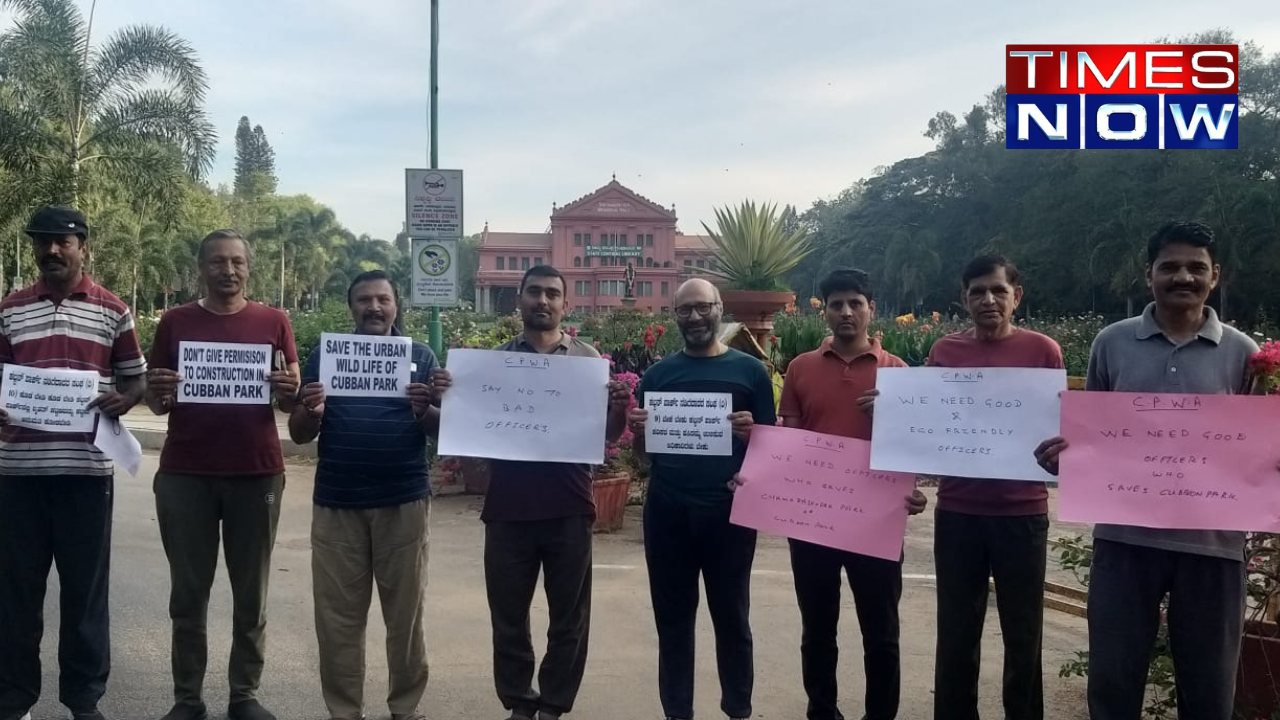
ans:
x=821 y=488
x=1191 y=462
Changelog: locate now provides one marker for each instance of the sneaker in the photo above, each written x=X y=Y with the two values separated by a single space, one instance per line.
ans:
x=187 y=711
x=248 y=710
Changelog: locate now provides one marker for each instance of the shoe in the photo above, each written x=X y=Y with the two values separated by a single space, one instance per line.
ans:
x=248 y=710
x=187 y=711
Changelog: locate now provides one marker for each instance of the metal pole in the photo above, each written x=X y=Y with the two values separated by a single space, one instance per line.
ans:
x=434 y=329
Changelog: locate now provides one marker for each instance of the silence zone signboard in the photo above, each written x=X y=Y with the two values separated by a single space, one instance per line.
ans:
x=433 y=203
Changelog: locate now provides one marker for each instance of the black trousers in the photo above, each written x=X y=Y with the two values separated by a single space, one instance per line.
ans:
x=969 y=551
x=1206 y=619
x=514 y=552
x=63 y=519
x=877 y=587
x=682 y=542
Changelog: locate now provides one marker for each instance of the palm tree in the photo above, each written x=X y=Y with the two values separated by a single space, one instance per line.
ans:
x=73 y=112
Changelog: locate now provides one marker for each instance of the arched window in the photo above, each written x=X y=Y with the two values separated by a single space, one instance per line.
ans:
x=577 y=262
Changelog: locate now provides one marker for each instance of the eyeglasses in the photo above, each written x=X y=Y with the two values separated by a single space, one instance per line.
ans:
x=703 y=309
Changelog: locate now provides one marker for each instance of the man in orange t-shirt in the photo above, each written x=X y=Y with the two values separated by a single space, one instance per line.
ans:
x=991 y=528
x=831 y=390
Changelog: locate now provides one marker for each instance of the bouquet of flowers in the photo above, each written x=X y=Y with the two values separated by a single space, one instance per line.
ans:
x=1264 y=367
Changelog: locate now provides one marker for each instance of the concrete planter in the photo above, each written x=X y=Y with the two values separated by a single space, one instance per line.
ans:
x=755 y=309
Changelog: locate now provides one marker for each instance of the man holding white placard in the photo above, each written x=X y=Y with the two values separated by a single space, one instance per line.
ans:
x=372 y=497
x=831 y=390
x=990 y=528
x=539 y=516
x=221 y=470
x=687 y=532
x=56 y=488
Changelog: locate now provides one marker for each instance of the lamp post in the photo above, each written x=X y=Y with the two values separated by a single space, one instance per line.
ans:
x=434 y=329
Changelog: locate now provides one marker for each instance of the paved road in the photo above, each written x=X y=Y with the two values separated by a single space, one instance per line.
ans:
x=622 y=670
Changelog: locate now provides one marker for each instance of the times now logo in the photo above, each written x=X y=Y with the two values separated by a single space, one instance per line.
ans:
x=1121 y=96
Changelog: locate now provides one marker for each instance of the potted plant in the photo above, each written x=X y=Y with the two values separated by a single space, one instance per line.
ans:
x=1257 y=689
x=754 y=251
x=611 y=482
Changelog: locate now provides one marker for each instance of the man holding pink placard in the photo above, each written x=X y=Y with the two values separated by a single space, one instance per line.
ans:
x=990 y=528
x=831 y=390
x=1177 y=347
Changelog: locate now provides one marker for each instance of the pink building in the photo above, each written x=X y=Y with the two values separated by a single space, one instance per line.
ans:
x=591 y=241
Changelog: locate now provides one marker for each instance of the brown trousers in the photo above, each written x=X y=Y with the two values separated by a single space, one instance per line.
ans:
x=350 y=551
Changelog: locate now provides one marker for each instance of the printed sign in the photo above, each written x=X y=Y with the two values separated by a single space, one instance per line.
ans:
x=688 y=423
x=821 y=489
x=971 y=422
x=224 y=373
x=50 y=400
x=433 y=203
x=435 y=272
x=1189 y=462
x=365 y=365
x=525 y=406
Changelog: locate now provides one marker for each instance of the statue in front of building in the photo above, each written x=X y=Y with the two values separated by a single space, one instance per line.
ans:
x=629 y=278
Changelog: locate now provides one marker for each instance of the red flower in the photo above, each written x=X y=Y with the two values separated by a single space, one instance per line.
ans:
x=661 y=329
x=649 y=340
x=627 y=346
x=573 y=331
x=773 y=340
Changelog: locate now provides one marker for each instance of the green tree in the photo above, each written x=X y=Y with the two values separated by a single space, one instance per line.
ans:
x=129 y=110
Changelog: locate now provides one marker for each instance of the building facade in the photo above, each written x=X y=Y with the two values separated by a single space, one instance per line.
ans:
x=591 y=241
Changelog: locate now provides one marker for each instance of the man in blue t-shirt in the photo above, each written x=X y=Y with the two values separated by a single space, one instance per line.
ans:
x=686 y=516
x=372 y=503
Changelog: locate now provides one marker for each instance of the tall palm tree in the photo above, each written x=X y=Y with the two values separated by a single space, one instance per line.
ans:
x=72 y=110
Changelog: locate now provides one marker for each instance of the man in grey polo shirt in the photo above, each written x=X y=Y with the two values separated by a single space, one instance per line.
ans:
x=1177 y=345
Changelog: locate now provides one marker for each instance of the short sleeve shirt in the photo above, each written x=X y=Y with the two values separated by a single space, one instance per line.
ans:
x=1135 y=355
x=229 y=440
x=526 y=490
x=821 y=389
x=372 y=450
x=90 y=329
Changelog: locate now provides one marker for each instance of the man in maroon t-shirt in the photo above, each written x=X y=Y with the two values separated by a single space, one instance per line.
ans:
x=221 y=474
x=991 y=528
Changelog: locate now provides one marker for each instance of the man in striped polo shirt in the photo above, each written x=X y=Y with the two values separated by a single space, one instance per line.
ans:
x=369 y=525
x=56 y=488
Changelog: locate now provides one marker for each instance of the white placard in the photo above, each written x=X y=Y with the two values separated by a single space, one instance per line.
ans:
x=433 y=203
x=965 y=422
x=117 y=443
x=525 y=406
x=684 y=423
x=365 y=365
x=50 y=400
x=224 y=373
x=435 y=272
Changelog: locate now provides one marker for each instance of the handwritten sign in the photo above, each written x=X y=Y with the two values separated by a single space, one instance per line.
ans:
x=50 y=400
x=972 y=422
x=688 y=423
x=821 y=489
x=365 y=365
x=224 y=373
x=525 y=406
x=1190 y=462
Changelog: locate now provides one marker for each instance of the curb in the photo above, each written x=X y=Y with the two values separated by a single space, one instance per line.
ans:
x=154 y=440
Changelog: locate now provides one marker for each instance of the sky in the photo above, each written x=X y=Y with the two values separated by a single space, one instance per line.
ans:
x=696 y=103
